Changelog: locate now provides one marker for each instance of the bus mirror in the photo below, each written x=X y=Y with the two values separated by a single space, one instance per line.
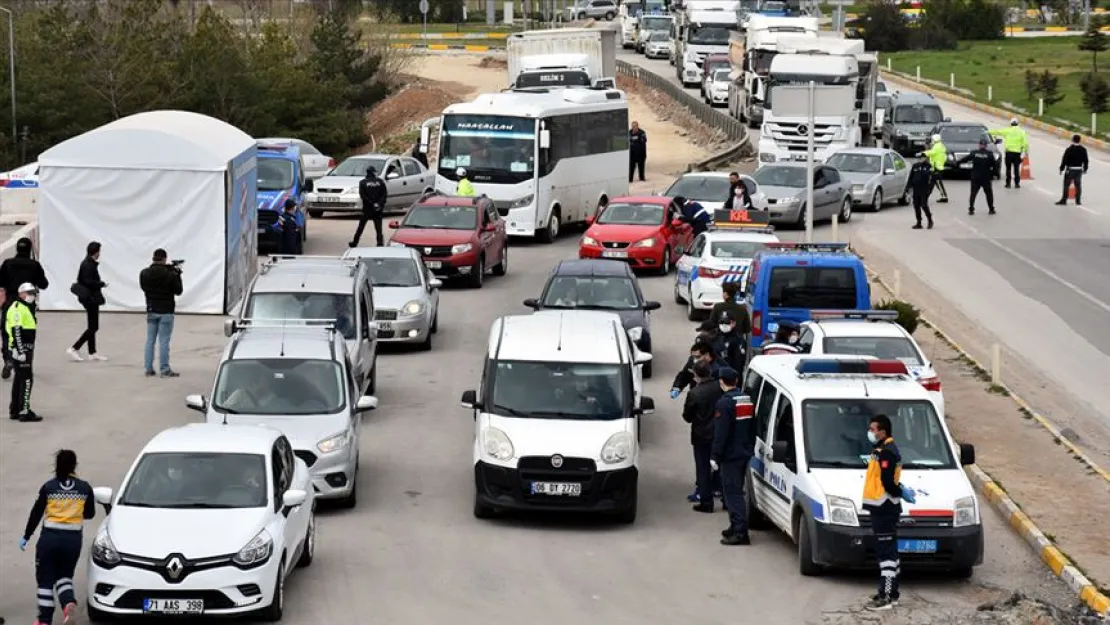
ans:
x=425 y=136
x=545 y=139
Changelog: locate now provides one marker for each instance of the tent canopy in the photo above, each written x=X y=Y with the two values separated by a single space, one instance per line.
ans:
x=160 y=140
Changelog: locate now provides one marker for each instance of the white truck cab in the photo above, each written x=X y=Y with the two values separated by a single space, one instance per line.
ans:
x=811 y=452
x=556 y=417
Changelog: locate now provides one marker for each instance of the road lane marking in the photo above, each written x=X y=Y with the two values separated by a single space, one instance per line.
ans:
x=1051 y=194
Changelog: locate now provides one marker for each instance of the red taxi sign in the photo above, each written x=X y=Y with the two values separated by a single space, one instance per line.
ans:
x=724 y=218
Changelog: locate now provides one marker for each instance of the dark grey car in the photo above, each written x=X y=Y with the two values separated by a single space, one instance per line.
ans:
x=962 y=138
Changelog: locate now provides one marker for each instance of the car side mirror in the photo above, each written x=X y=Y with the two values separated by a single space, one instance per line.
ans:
x=590 y=220
x=676 y=222
x=394 y=224
x=309 y=186
x=642 y=358
x=103 y=495
x=392 y=175
x=532 y=303
x=372 y=327
x=967 y=454
x=545 y=139
x=779 y=452
x=888 y=172
x=366 y=403
x=229 y=327
x=998 y=140
x=647 y=406
x=435 y=284
x=291 y=499
x=470 y=400
x=947 y=119
x=649 y=306
x=196 y=402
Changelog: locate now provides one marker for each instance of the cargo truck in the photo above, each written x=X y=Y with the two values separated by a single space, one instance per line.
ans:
x=565 y=57
x=702 y=27
x=631 y=12
x=750 y=55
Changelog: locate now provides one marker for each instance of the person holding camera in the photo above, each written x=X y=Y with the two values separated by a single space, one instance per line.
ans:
x=161 y=283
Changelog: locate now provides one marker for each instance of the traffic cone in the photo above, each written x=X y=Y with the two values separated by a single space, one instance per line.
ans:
x=1026 y=170
x=1071 y=192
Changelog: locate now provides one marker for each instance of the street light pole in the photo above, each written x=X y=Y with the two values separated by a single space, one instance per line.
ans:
x=809 y=161
x=11 y=67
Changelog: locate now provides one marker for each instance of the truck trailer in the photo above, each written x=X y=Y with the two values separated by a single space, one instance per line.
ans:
x=750 y=55
x=702 y=27
x=565 y=57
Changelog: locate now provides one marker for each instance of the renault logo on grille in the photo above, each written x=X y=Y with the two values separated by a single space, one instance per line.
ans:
x=175 y=567
x=427 y=250
x=556 y=461
x=803 y=129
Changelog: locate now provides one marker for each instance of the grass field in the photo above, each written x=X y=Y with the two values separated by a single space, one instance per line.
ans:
x=1002 y=65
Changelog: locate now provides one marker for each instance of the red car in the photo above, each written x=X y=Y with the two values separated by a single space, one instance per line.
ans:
x=458 y=237
x=642 y=230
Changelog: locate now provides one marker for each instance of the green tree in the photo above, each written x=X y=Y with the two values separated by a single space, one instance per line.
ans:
x=1094 y=41
x=339 y=56
x=1048 y=86
x=1096 y=93
x=885 y=28
x=215 y=71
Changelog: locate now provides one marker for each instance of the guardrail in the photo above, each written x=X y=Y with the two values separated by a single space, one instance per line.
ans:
x=733 y=128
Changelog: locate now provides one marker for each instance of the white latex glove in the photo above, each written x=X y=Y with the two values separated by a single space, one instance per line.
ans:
x=18 y=357
x=713 y=465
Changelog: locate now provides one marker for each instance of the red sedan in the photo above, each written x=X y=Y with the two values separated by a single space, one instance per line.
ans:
x=640 y=230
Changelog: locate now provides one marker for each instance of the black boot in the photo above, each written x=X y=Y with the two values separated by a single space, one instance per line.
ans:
x=29 y=417
x=930 y=224
x=1062 y=203
x=6 y=372
x=736 y=539
x=916 y=226
x=703 y=507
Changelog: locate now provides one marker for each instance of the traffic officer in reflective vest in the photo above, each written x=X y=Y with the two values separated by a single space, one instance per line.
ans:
x=938 y=158
x=1016 y=144
x=20 y=327
x=882 y=498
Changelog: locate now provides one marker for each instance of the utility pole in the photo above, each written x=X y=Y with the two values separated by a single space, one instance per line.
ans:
x=11 y=68
x=809 y=160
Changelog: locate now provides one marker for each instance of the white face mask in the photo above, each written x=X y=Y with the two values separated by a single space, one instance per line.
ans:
x=793 y=339
x=30 y=299
x=724 y=328
x=873 y=437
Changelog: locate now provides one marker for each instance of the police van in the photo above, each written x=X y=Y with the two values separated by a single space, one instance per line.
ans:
x=557 y=415
x=281 y=177
x=811 y=452
x=787 y=281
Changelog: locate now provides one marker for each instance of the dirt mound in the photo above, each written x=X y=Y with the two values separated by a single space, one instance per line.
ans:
x=490 y=62
x=400 y=115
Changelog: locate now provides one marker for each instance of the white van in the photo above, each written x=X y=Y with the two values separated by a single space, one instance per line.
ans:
x=811 y=451
x=556 y=418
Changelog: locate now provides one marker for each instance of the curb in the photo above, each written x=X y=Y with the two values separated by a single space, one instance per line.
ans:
x=439 y=47
x=1060 y=565
x=1063 y=133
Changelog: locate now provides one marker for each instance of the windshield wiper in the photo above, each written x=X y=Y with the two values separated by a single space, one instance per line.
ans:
x=837 y=464
x=922 y=467
x=568 y=415
x=394 y=284
x=412 y=226
x=227 y=410
x=131 y=504
x=512 y=411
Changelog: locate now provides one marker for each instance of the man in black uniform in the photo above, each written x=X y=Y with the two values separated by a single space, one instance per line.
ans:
x=733 y=446
x=374 y=195
x=737 y=194
x=983 y=164
x=700 y=351
x=729 y=346
x=698 y=412
x=19 y=269
x=1072 y=165
x=731 y=306
x=921 y=181
x=637 y=150
x=20 y=328
x=290 y=230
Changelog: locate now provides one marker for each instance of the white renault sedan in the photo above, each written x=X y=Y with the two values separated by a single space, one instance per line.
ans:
x=209 y=521
x=870 y=333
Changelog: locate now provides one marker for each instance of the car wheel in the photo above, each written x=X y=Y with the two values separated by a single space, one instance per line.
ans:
x=96 y=616
x=482 y=511
x=647 y=371
x=551 y=232
x=693 y=314
x=800 y=223
x=665 y=266
x=609 y=16
x=628 y=515
x=806 y=565
x=502 y=267
x=435 y=323
x=426 y=344
x=964 y=572
x=678 y=299
x=304 y=231
x=478 y=273
x=273 y=612
x=846 y=211
x=877 y=200
x=372 y=386
x=315 y=214
x=308 y=552
x=904 y=200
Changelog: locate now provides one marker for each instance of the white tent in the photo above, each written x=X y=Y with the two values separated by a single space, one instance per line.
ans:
x=175 y=180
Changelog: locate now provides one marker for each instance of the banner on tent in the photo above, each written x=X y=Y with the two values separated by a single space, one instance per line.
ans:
x=242 y=217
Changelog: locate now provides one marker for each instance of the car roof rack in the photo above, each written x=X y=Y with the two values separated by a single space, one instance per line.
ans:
x=276 y=260
x=854 y=315
x=233 y=326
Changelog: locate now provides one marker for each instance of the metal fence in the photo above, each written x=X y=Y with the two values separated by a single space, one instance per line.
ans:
x=733 y=128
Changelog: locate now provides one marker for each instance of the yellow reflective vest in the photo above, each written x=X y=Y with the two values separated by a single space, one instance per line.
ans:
x=937 y=155
x=1014 y=139
x=19 y=326
x=465 y=188
x=885 y=457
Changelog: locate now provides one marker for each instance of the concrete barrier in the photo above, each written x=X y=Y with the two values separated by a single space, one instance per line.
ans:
x=18 y=206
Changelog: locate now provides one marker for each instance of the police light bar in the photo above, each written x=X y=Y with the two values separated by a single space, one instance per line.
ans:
x=811 y=366
x=724 y=218
x=808 y=247
x=745 y=409
x=868 y=315
x=276 y=147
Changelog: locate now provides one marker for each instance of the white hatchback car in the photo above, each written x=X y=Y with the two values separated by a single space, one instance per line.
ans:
x=710 y=189
x=210 y=520
x=870 y=333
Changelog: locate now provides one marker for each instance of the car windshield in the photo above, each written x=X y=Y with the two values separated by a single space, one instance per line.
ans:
x=735 y=249
x=964 y=134
x=393 y=271
x=356 y=166
x=773 y=6
x=836 y=433
x=773 y=176
x=612 y=293
x=918 y=114
x=558 y=390
x=857 y=163
x=275 y=174
x=443 y=217
x=488 y=144
x=700 y=188
x=812 y=287
x=300 y=306
x=197 y=480
x=279 y=386
x=881 y=347
x=656 y=24
x=659 y=35
x=720 y=75
x=707 y=35
x=632 y=215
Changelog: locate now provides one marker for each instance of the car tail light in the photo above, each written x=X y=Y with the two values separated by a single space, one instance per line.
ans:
x=4 y=182
x=931 y=384
x=757 y=324
x=710 y=273
x=331 y=163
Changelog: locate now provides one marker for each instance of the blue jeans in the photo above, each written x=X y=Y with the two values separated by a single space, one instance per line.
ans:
x=159 y=326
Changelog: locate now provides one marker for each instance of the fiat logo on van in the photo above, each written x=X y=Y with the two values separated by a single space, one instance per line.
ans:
x=557 y=461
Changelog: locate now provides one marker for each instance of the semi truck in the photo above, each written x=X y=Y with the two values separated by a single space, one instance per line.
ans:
x=631 y=11
x=750 y=54
x=564 y=57
x=702 y=27
x=835 y=44
x=651 y=23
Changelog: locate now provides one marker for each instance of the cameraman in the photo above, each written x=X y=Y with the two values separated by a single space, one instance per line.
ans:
x=161 y=283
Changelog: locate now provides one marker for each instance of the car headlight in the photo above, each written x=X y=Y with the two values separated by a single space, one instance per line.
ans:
x=413 y=308
x=966 y=512
x=645 y=243
x=857 y=188
x=900 y=133
x=257 y=551
x=842 y=511
x=766 y=158
x=461 y=248
x=350 y=191
x=789 y=200
x=103 y=551
x=586 y=240
x=334 y=443
x=522 y=202
x=636 y=333
x=618 y=448
x=496 y=444
x=396 y=244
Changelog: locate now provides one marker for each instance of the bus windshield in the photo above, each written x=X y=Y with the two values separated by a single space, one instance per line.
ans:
x=492 y=148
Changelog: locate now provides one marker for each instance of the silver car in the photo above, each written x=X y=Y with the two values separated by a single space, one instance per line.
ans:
x=596 y=9
x=406 y=295
x=878 y=176
x=406 y=179
x=297 y=379
x=316 y=163
x=657 y=45
x=710 y=189
x=785 y=186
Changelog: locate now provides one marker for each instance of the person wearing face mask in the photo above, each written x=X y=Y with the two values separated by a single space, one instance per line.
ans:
x=700 y=351
x=15 y=271
x=698 y=412
x=20 y=328
x=731 y=306
x=882 y=498
x=731 y=451
x=729 y=345
x=786 y=338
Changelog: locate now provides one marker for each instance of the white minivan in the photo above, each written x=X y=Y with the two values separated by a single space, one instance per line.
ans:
x=557 y=415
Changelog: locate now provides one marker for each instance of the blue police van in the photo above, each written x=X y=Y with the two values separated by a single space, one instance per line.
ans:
x=281 y=176
x=788 y=281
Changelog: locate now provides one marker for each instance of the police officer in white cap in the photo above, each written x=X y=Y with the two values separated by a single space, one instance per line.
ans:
x=20 y=327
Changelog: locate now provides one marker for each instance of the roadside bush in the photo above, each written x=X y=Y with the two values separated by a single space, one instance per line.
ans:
x=908 y=315
x=965 y=20
x=885 y=29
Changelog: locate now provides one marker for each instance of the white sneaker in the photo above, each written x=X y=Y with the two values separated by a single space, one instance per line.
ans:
x=96 y=357
x=73 y=355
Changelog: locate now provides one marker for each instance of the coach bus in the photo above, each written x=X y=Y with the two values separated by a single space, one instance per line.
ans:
x=546 y=157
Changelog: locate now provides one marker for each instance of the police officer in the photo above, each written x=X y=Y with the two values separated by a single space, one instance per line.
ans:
x=464 y=189
x=733 y=443
x=938 y=158
x=731 y=306
x=290 y=229
x=637 y=151
x=983 y=163
x=694 y=214
x=1072 y=165
x=737 y=194
x=700 y=351
x=63 y=505
x=701 y=401
x=421 y=157
x=1016 y=144
x=729 y=347
x=882 y=498
x=19 y=269
x=784 y=342
x=374 y=195
x=20 y=327
x=921 y=182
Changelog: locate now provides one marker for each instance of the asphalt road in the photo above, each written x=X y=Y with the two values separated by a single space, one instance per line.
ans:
x=412 y=551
